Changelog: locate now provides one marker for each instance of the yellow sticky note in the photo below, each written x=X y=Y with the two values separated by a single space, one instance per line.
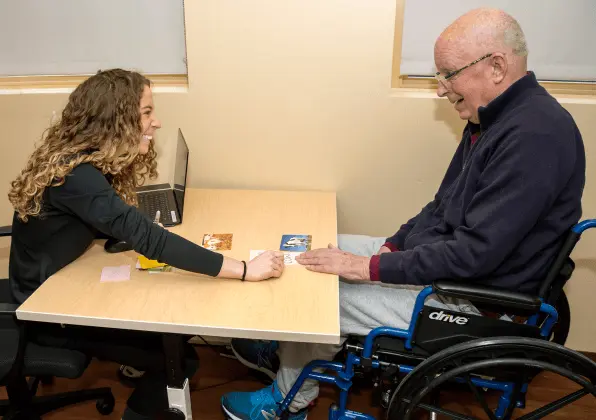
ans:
x=146 y=263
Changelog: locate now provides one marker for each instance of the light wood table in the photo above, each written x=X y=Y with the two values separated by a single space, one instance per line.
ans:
x=298 y=306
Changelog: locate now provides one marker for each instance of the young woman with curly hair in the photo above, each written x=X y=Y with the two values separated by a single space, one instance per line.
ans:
x=79 y=183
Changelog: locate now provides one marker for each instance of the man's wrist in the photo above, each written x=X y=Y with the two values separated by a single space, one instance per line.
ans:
x=373 y=267
x=365 y=269
x=391 y=246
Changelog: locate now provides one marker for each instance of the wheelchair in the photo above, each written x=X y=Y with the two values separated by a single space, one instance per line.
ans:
x=446 y=350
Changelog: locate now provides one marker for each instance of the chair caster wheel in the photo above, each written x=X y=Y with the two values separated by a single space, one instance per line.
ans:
x=172 y=414
x=386 y=399
x=521 y=404
x=105 y=405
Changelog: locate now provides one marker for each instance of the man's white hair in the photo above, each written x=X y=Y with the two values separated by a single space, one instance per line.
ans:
x=514 y=37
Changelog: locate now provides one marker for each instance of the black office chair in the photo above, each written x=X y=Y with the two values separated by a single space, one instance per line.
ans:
x=20 y=359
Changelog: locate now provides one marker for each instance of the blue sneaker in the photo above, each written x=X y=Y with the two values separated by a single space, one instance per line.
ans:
x=257 y=354
x=258 y=405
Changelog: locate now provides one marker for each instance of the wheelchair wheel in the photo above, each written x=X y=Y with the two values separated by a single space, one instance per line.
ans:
x=514 y=360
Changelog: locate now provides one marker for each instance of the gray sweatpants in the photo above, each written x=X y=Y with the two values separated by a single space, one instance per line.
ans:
x=363 y=307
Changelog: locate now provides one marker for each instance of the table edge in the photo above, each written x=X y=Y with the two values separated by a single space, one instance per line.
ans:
x=184 y=329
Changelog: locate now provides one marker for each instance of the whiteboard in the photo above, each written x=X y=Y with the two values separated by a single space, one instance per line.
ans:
x=80 y=37
x=561 y=34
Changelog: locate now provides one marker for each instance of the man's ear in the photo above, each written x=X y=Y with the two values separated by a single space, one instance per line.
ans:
x=499 y=67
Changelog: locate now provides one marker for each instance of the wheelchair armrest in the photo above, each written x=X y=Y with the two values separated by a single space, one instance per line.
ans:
x=488 y=295
x=5 y=231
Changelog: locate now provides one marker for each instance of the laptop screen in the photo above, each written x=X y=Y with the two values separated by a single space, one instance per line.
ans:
x=180 y=168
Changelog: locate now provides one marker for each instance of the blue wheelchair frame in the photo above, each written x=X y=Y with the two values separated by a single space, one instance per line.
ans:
x=345 y=373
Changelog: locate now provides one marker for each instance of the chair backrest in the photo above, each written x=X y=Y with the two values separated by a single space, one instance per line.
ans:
x=563 y=265
x=560 y=271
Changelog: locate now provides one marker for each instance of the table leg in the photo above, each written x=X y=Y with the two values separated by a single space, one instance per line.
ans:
x=178 y=387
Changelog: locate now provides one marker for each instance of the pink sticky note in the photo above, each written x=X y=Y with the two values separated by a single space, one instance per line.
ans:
x=120 y=273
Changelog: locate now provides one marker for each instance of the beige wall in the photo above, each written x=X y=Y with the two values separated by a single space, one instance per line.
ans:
x=296 y=95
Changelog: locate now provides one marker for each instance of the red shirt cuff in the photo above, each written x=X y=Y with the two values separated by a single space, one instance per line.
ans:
x=374 y=267
x=391 y=246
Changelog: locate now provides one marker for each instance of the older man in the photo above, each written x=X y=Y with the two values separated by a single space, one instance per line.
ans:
x=512 y=190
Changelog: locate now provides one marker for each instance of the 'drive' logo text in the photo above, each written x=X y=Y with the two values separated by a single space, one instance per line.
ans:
x=440 y=316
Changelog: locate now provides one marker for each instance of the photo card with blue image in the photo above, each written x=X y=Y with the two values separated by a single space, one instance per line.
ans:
x=295 y=243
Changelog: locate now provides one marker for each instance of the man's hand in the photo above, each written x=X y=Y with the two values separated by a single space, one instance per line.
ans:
x=383 y=250
x=332 y=260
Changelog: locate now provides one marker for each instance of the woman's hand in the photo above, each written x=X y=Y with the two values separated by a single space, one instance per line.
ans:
x=267 y=265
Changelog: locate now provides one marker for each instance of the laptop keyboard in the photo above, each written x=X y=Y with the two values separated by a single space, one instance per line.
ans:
x=150 y=202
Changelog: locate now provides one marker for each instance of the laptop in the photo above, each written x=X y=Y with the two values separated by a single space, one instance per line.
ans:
x=168 y=199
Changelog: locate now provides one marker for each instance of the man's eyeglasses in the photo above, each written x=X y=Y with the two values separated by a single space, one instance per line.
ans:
x=445 y=78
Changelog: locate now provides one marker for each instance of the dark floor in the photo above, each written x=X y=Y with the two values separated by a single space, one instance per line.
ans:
x=219 y=375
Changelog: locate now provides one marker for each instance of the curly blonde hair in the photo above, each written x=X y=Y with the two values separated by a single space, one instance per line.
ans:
x=100 y=125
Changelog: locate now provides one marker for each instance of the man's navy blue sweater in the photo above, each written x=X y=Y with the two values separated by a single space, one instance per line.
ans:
x=506 y=202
